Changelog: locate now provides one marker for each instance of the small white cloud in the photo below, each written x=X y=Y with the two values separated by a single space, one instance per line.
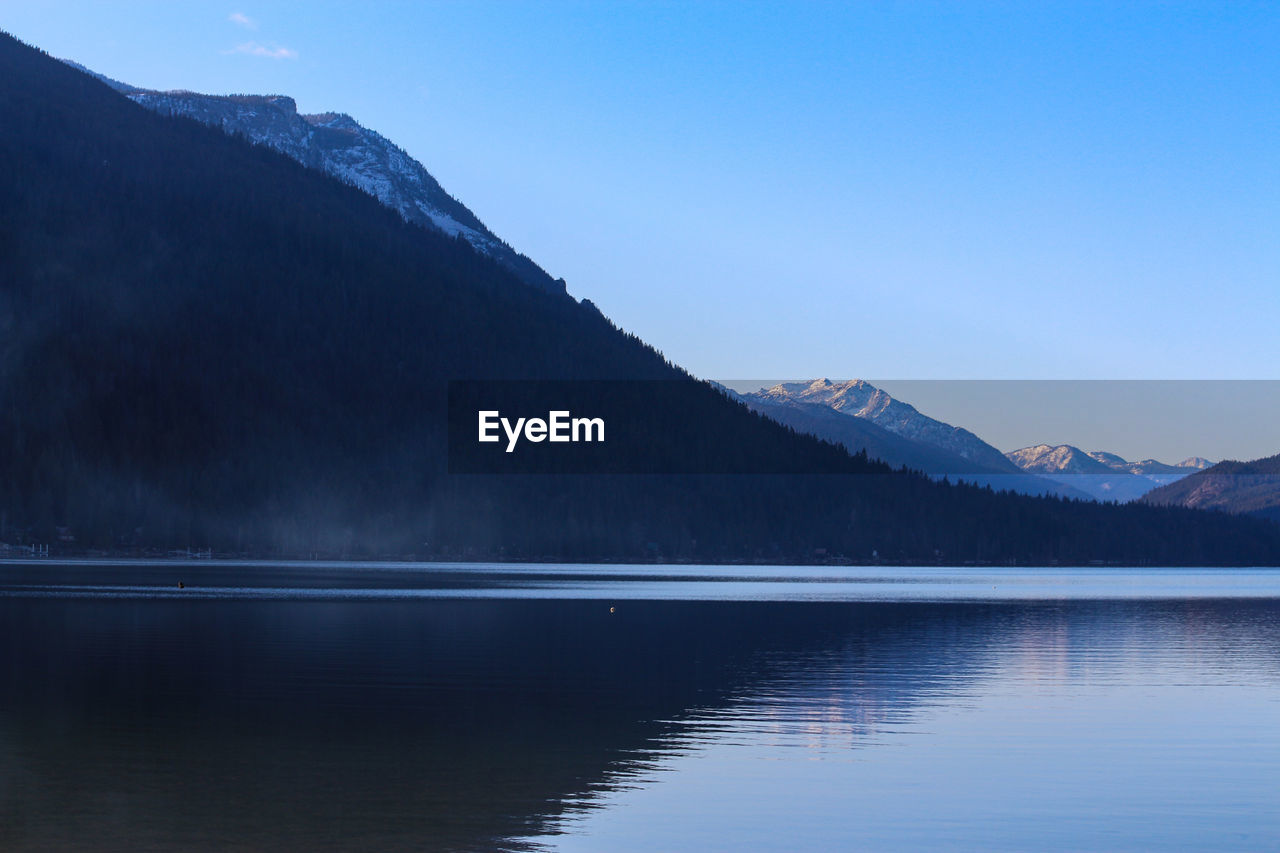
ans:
x=270 y=51
x=240 y=19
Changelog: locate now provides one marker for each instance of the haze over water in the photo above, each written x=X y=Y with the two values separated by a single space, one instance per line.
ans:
x=339 y=706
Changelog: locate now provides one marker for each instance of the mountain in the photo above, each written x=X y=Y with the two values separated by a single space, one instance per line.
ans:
x=1062 y=459
x=856 y=433
x=338 y=145
x=956 y=452
x=1071 y=465
x=1251 y=488
x=204 y=343
x=1153 y=469
x=863 y=400
x=1105 y=476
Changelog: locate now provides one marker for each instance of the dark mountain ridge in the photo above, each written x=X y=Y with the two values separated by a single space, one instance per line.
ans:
x=1246 y=488
x=204 y=343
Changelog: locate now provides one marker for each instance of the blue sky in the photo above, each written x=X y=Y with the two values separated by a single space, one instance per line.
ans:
x=911 y=190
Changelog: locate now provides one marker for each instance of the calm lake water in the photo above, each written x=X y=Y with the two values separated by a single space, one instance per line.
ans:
x=400 y=707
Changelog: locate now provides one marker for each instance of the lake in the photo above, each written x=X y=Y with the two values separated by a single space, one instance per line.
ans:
x=339 y=706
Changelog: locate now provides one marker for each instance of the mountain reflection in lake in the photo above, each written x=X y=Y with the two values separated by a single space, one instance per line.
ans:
x=131 y=720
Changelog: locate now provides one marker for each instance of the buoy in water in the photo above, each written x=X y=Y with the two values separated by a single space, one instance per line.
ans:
x=610 y=609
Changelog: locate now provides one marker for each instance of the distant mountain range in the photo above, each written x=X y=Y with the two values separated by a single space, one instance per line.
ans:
x=1105 y=476
x=860 y=416
x=1153 y=469
x=1243 y=488
x=338 y=145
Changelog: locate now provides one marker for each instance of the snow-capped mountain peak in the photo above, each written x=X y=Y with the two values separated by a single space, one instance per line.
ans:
x=337 y=144
x=1060 y=459
x=861 y=399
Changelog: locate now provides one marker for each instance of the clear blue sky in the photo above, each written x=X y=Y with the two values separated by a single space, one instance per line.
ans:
x=913 y=190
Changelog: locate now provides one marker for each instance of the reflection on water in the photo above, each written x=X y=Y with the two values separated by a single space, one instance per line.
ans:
x=133 y=717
